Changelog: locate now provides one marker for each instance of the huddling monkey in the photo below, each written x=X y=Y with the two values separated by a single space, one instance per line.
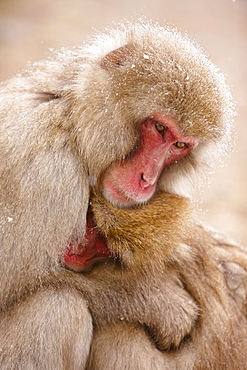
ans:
x=104 y=264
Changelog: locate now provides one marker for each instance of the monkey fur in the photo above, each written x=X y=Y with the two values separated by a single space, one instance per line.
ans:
x=174 y=296
x=206 y=266
x=169 y=309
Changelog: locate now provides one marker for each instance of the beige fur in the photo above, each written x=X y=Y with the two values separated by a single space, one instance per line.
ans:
x=189 y=300
x=207 y=267
x=177 y=298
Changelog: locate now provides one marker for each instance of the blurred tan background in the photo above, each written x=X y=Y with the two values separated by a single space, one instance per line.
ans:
x=28 y=28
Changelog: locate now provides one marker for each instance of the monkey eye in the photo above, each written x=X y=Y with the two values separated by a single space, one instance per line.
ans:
x=160 y=128
x=179 y=144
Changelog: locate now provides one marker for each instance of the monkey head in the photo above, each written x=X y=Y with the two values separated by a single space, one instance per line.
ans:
x=159 y=111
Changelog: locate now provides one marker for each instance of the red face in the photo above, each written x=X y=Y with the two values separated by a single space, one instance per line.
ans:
x=135 y=179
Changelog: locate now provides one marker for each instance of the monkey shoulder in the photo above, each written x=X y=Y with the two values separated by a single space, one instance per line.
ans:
x=215 y=249
x=221 y=265
x=232 y=259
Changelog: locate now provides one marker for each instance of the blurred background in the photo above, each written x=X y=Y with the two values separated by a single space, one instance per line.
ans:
x=28 y=28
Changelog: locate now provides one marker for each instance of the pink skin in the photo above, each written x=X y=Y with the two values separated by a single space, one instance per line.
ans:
x=132 y=181
x=80 y=256
x=135 y=179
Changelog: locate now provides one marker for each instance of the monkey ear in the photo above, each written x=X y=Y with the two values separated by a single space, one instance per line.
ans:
x=117 y=57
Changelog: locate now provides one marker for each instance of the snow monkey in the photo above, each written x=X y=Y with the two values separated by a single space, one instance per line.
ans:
x=104 y=264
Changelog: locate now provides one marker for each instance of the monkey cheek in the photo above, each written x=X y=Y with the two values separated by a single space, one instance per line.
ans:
x=82 y=258
x=75 y=263
x=81 y=255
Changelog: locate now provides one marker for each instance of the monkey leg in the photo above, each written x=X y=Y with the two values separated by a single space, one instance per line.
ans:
x=126 y=346
x=49 y=330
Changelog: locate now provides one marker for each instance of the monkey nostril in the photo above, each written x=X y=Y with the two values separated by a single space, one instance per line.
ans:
x=144 y=182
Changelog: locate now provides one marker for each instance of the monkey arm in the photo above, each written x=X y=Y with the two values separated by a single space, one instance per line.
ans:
x=27 y=332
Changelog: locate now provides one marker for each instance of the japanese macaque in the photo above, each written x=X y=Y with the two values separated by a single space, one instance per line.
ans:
x=103 y=262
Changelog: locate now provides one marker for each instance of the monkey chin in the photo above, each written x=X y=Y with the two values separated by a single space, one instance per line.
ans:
x=121 y=198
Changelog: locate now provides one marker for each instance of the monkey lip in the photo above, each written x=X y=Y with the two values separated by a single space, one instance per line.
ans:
x=81 y=256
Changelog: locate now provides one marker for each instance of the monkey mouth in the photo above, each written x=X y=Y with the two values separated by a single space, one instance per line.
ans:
x=81 y=256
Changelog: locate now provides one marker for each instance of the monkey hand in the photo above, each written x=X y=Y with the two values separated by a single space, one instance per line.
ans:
x=171 y=322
